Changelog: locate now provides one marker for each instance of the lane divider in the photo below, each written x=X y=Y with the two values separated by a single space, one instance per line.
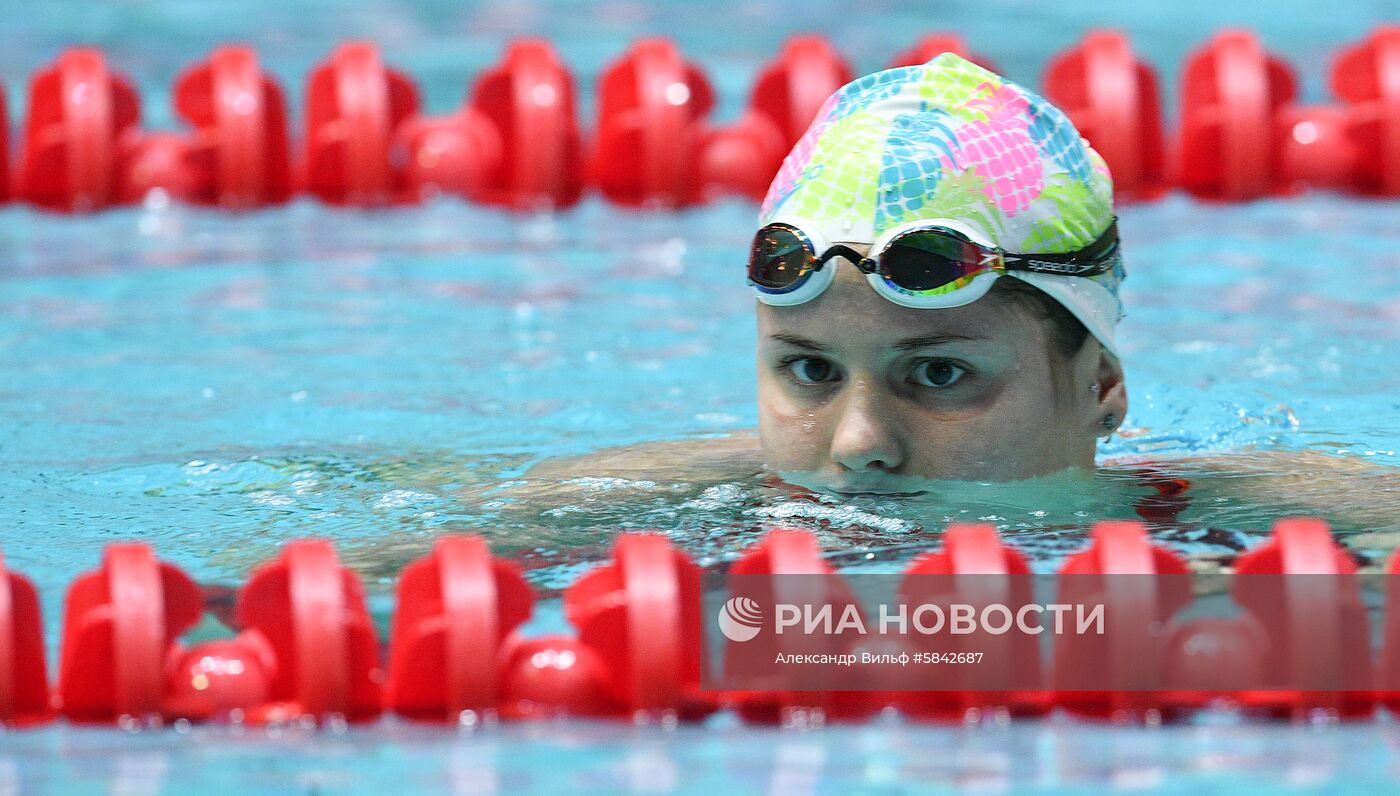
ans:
x=306 y=650
x=516 y=141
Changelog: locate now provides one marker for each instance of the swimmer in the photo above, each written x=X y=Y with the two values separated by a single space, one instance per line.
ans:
x=936 y=272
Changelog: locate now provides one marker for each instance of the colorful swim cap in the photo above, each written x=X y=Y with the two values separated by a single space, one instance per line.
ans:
x=949 y=140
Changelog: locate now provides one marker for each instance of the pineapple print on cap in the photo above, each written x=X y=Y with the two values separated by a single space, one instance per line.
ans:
x=950 y=140
x=881 y=147
x=1001 y=150
x=853 y=97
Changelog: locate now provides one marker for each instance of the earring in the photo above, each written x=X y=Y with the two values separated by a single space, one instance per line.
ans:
x=1095 y=388
x=1110 y=422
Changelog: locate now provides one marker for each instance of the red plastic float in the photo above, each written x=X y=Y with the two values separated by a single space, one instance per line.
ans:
x=997 y=574
x=456 y=608
x=1315 y=148
x=792 y=552
x=515 y=143
x=311 y=612
x=448 y=154
x=1367 y=78
x=80 y=133
x=224 y=680
x=1208 y=661
x=792 y=87
x=159 y=161
x=652 y=105
x=120 y=624
x=529 y=100
x=641 y=614
x=640 y=650
x=1232 y=91
x=1314 y=620
x=1351 y=146
x=932 y=45
x=1111 y=97
x=24 y=685
x=553 y=676
x=238 y=154
x=355 y=108
x=1388 y=673
x=742 y=158
x=4 y=150
x=1140 y=585
x=307 y=649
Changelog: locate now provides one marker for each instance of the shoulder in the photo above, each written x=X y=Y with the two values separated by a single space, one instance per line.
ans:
x=1296 y=469
x=1358 y=497
x=735 y=456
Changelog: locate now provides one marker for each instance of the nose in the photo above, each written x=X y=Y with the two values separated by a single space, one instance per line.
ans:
x=866 y=437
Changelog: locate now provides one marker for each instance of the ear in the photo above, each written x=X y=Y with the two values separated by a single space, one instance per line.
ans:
x=1112 y=394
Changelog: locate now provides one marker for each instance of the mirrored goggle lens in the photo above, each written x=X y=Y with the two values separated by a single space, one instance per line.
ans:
x=932 y=262
x=779 y=258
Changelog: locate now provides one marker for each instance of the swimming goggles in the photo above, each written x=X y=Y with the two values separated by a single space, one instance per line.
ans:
x=929 y=264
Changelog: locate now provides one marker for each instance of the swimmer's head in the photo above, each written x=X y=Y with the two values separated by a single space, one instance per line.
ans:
x=863 y=387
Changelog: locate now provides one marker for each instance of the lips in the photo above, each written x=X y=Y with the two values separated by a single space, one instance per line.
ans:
x=814 y=486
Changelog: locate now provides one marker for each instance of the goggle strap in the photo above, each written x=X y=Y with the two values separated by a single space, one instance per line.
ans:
x=1099 y=257
x=1060 y=268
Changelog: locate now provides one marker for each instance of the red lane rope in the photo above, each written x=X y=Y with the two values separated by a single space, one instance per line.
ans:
x=307 y=650
x=516 y=142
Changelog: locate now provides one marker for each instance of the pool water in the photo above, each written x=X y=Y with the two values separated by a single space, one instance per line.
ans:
x=609 y=758
x=216 y=385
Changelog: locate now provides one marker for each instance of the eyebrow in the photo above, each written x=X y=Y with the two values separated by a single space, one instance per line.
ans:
x=923 y=341
x=800 y=342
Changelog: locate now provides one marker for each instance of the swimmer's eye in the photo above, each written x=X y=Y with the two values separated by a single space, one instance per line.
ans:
x=938 y=373
x=809 y=370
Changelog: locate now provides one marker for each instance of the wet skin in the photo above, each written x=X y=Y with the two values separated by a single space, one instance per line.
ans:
x=859 y=395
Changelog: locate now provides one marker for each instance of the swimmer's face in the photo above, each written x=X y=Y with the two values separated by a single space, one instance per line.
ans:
x=857 y=394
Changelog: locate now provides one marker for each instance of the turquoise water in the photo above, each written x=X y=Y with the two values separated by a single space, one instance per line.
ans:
x=885 y=758
x=216 y=385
